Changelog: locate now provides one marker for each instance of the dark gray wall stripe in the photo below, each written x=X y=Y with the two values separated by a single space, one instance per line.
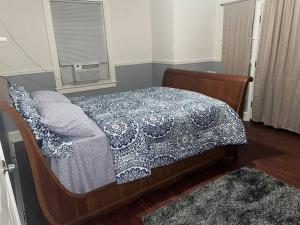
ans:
x=217 y=66
x=129 y=77
x=158 y=72
x=158 y=69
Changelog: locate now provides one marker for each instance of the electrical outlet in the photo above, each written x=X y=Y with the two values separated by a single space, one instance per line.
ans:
x=3 y=39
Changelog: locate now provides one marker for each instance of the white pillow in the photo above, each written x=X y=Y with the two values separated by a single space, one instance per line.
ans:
x=66 y=119
x=48 y=96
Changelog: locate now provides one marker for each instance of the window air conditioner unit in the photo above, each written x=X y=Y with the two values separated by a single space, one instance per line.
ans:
x=87 y=72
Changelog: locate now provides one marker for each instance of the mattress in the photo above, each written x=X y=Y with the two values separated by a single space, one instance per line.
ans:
x=90 y=167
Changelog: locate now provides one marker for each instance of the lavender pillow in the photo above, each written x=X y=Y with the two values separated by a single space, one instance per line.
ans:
x=66 y=119
x=48 y=97
x=51 y=144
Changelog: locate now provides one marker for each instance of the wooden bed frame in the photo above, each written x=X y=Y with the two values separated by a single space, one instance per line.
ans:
x=63 y=207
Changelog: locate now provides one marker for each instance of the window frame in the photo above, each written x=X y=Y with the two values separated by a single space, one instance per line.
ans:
x=71 y=88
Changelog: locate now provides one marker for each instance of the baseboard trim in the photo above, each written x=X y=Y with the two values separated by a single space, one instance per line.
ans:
x=181 y=62
x=117 y=64
x=129 y=63
x=21 y=73
x=246 y=116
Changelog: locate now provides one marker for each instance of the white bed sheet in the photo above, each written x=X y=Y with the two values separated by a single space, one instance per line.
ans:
x=90 y=167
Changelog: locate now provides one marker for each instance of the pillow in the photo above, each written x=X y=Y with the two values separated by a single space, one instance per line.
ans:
x=66 y=119
x=49 y=96
x=51 y=144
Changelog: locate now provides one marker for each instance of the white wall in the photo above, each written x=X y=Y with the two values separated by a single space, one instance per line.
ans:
x=131 y=30
x=195 y=22
x=25 y=20
x=184 y=31
x=174 y=31
x=163 y=30
x=130 y=25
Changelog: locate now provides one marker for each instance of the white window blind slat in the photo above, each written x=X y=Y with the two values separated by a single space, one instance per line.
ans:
x=79 y=32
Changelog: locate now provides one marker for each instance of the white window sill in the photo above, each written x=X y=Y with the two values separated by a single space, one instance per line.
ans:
x=66 y=89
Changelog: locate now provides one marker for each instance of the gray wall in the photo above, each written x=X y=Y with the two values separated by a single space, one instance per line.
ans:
x=129 y=77
x=158 y=69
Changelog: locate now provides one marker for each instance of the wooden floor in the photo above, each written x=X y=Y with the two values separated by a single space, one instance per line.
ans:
x=275 y=152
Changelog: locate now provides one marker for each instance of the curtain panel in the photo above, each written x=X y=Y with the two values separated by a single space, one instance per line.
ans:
x=237 y=36
x=276 y=99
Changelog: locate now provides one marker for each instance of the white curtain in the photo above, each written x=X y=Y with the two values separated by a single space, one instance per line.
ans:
x=237 y=36
x=277 y=81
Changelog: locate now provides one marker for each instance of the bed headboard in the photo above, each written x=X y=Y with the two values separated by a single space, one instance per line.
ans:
x=228 y=88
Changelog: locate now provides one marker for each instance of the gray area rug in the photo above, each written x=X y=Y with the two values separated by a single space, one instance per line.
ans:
x=245 y=196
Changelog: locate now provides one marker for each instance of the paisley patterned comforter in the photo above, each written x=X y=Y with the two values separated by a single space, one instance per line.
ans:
x=158 y=126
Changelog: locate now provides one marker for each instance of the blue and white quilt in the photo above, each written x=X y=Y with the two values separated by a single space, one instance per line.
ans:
x=158 y=126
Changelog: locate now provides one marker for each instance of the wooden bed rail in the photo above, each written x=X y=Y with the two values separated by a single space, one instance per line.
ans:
x=61 y=206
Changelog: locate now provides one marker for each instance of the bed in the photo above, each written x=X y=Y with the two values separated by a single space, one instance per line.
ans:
x=62 y=206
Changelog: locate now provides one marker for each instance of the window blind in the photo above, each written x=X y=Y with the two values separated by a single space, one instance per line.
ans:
x=79 y=32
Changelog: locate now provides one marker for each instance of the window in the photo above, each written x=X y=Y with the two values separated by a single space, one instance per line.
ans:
x=79 y=45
